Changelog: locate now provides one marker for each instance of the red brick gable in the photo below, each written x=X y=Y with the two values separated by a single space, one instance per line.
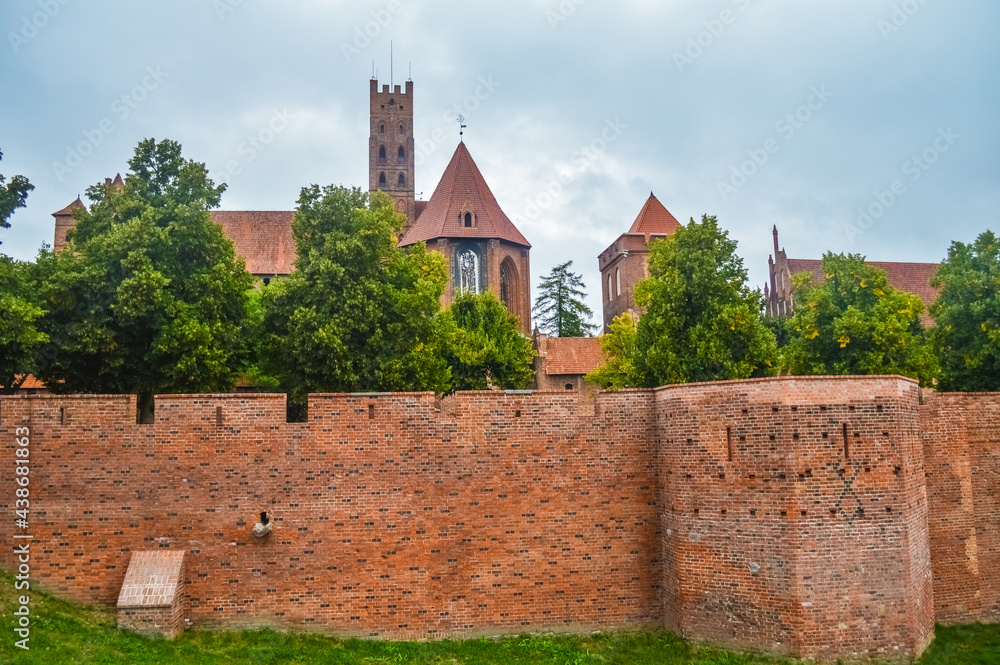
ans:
x=463 y=189
x=654 y=219
x=263 y=238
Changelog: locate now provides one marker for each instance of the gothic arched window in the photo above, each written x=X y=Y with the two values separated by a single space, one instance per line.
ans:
x=381 y=129
x=402 y=180
x=468 y=220
x=611 y=293
x=402 y=129
x=468 y=271
x=618 y=280
x=508 y=284
x=381 y=154
x=381 y=180
x=401 y=155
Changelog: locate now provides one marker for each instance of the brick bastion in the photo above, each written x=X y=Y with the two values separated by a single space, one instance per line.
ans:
x=818 y=517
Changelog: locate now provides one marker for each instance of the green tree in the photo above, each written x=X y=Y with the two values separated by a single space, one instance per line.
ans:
x=20 y=339
x=149 y=296
x=620 y=351
x=559 y=309
x=966 y=335
x=359 y=313
x=855 y=322
x=702 y=321
x=486 y=347
x=12 y=196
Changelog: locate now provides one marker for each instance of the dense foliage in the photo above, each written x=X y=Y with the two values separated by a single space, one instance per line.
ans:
x=966 y=335
x=149 y=296
x=856 y=323
x=620 y=351
x=359 y=314
x=559 y=309
x=486 y=348
x=702 y=321
x=13 y=195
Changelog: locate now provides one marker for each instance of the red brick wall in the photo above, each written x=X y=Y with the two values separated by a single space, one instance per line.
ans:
x=962 y=447
x=513 y=512
x=403 y=516
x=774 y=538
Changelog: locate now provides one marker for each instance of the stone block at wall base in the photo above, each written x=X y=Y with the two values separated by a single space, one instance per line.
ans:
x=152 y=598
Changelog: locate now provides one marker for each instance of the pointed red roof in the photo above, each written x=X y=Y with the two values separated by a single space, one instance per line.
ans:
x=68 y=210
x=463 y=189
x=654 y=219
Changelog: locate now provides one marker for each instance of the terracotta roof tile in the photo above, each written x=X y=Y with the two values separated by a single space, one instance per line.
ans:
x=68 y=210
x=910 y=277
x=463 y=189
x=654 y=218
x=572 y=355
x=263 y=238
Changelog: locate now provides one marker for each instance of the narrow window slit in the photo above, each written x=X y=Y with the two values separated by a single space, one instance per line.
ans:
x=729 y=443
x=847 y=450
x=371 y=412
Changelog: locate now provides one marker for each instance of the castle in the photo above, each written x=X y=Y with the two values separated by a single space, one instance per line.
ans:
x=820 y=517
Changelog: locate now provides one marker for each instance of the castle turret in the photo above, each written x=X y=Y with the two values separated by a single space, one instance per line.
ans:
x=390 y=158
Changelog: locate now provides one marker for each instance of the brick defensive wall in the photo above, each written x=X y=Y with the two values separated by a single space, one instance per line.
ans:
x=818 y=517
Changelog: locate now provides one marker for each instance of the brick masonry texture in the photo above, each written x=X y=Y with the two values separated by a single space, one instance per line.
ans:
x=730 y=512
x=962 y=448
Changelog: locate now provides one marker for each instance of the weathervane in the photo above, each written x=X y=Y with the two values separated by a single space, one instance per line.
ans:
x=461 y=128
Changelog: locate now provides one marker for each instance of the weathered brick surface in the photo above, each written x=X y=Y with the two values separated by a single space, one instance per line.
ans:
x=730 y=512
x=962 y=446
x=795 y=516
x=152 y=597
x=513 y=512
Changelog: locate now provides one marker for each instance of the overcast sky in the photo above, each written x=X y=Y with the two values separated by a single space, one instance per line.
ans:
x=789 y=112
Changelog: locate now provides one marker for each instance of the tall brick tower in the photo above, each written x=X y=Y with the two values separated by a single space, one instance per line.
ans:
x=390 y=151
x=624 y=264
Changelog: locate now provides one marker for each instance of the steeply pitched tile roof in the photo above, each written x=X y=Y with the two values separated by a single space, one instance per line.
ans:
x=68 y=210
x=572 y=355
x=263 y=238
x=654 y=219
x=463 y=189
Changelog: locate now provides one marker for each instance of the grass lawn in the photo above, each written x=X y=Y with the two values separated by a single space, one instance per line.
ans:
x=63 y=633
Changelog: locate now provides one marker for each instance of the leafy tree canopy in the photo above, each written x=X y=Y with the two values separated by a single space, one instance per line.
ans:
x=486 y=348
x=966 y=335
x=359 y=314
x=13 y=195
x=620 y=351
x=149 y=295
x=20 y=339
x=855 y=322
x=559 y=310
x=702 y=321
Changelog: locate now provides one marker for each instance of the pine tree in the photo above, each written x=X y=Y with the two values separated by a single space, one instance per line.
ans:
x=560 y=310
